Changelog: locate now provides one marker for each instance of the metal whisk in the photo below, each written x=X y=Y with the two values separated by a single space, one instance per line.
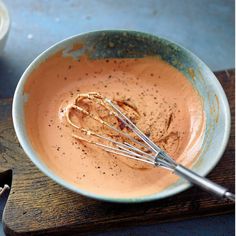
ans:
x=142 y=148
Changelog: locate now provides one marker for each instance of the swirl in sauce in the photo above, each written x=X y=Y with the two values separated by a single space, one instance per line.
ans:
x=161 y=101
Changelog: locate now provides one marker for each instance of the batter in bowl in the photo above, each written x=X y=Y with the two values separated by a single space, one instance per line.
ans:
x=169 y=111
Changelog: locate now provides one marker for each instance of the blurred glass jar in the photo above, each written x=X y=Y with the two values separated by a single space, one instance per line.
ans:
x=4 y=25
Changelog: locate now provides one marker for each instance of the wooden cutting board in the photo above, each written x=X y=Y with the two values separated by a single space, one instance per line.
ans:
x=38 y=205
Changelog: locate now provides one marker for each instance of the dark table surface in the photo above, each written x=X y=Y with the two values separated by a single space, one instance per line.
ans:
x=206 y=27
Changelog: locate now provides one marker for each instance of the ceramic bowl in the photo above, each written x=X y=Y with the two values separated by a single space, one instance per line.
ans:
x=4 y=25
x=123 y=44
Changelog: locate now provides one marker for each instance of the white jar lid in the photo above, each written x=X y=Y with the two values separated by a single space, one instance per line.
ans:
x=4 y=25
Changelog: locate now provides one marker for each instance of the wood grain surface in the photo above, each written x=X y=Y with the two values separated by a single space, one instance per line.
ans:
x=37 y=205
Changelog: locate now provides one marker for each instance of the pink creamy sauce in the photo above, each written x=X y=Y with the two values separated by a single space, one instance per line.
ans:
x=171 y=113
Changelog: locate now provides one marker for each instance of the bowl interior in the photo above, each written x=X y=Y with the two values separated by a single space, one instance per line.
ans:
x=130 y=44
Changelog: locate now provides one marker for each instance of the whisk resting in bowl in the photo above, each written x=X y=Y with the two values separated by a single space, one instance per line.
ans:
x=135 y=144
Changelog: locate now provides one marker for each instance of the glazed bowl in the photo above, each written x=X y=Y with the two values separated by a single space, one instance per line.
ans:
x=131 y=44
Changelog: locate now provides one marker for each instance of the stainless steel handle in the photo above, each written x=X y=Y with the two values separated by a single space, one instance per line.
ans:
x=204 y=183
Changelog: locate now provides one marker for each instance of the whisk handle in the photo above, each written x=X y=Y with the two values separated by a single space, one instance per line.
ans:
x=204 y=183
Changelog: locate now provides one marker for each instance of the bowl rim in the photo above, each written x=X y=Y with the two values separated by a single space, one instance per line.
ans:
x=32 y=155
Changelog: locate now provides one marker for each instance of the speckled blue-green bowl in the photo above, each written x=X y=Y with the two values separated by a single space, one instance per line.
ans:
x=123 y=44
